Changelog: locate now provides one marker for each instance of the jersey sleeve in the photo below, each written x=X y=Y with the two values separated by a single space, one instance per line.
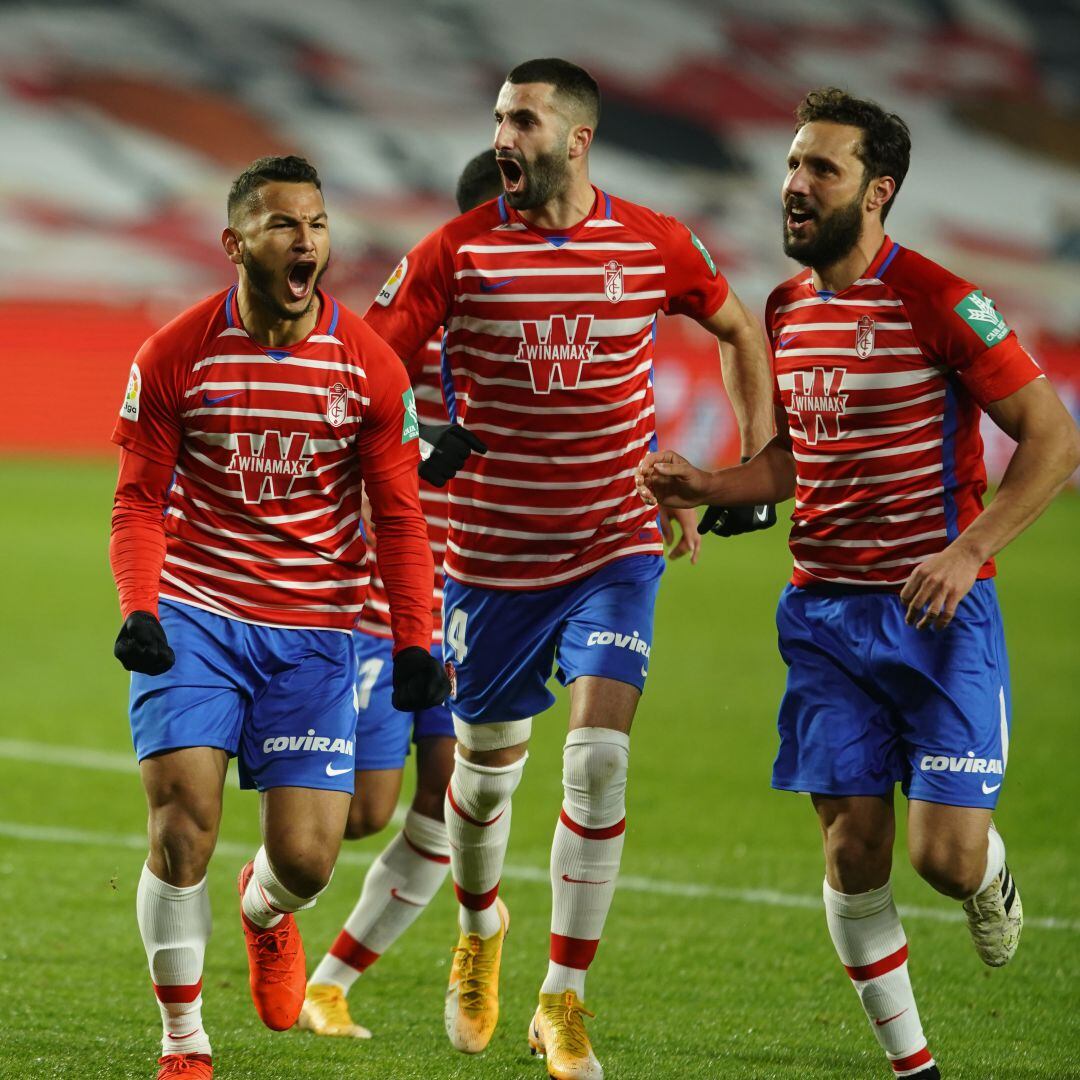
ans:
x=149 y=423
x=415 y=300
x=389 y=436
x=961 y=328
x=694 y=285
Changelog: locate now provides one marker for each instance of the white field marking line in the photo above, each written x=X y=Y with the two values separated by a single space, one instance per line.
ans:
x=533 y=874
x=53 y=754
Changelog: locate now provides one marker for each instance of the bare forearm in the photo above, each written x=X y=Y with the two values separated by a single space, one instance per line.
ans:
x=744 y=365
x=768 y=477
x=1039 y=469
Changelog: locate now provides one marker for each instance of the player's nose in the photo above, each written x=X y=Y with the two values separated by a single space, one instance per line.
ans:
x=797 y=182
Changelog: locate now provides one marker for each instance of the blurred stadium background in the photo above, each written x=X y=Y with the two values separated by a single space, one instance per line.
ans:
x=122 y=123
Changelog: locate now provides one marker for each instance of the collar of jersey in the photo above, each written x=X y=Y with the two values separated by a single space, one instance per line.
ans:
x=325 y=324
x=878 y=265
x=601 y=207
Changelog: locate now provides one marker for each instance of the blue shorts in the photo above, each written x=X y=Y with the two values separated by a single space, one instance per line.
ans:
x=382 y=733
x=504 y=642
x=871 y=701
x=282 y=701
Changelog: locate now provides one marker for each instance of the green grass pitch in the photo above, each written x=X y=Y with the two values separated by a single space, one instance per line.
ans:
x=695 y=978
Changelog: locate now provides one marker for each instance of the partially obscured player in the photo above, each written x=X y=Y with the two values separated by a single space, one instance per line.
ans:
x=549 y=297
x=410 y=870
x=890 y=627
x=250 y=424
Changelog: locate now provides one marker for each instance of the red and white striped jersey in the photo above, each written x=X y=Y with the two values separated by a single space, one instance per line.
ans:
x=427 y=385
x=270 y=448
x=549 y=345
x=883 y=384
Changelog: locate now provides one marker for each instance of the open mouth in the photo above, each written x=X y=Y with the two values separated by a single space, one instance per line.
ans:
x=512 y=173
x=301 y=278
x=798 y=218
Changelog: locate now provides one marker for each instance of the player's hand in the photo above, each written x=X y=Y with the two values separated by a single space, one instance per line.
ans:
x=142 y=645
x=689 y=540
x=420 y=681
x=668 y=479
x=936 y=587
x=733 y=520
x=451 y=445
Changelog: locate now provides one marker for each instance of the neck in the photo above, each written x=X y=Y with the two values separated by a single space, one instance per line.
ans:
x=838 y=276
x=267 y=328
x=565 y=210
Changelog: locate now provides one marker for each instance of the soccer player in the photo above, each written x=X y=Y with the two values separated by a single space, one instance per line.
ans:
x=250 y=424
x=890 y=626
x=410 y=870
x=549 y=297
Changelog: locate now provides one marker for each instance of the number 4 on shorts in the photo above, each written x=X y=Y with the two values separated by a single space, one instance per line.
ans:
x=455 y=633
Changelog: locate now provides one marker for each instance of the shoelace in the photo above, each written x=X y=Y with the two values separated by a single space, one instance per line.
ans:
x=336 y=1010
x=275 y=953
x=180 y=1063
x=571 y=1028
x=476 y=969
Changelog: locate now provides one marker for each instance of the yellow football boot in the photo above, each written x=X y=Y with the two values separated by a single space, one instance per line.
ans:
x=326 y=1012
x=557 y=1033
x=472 y=998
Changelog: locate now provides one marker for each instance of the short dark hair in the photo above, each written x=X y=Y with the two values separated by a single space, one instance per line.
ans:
x=267 y=170
x=569 y=80
x=885 y=148
x=480 y=181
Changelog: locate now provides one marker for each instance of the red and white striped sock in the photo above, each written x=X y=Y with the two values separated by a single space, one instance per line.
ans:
x=586 y=852
x=399 y=885
x=175 y=926
x=478 y=829
x=869 y=939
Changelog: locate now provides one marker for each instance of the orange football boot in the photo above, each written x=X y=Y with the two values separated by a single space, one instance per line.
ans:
x=276 y=964
x=185 y=1066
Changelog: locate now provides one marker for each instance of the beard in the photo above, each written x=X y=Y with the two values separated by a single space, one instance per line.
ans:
x=261 y=279
x=546 y=176
x=836 y=235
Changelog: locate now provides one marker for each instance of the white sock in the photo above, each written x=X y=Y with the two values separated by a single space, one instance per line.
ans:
x=266 y=900
x=870 y=941
x=399 y=885
x=586 y=852
x=478 y=830
x=995 y=858
x=175 y=926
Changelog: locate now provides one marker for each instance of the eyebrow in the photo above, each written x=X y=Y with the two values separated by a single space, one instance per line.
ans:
x=520 y=114
x=292 y=217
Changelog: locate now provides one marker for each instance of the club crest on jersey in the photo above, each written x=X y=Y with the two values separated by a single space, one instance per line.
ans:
x=129 y=410
x=613 y=281
x=393 y=283
x=818 y=403
x=864 y=337
x=561 y=353
x=269 y=466
x=337 y=404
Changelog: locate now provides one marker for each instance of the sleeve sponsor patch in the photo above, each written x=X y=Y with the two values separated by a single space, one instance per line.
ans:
x=129 y=410
x=393 y=283
x=410 y=426
x=985 y=320
x=704 y=254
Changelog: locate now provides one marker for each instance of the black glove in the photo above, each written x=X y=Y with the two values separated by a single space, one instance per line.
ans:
x=420 y=681
x=732 y=520
x=451 y=445
x=142 y=645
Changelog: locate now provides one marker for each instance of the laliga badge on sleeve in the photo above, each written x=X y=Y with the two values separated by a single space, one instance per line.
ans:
x=129 y=410
x=393 y=283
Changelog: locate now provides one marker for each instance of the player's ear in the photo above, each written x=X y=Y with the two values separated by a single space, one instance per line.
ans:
x=581 y=137
x=230 y=241
x=879 y=192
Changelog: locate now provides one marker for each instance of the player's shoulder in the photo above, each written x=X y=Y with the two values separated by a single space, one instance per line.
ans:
x=636 y=216
x=463 y=228
x=910 y=274
x=794 y=288
x=190 y=332
x=358 y=337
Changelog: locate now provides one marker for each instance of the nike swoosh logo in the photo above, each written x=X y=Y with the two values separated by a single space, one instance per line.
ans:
x=208 y=400
x=491 y=286
x=882 y=1023
x=405 y=900
x=580 y=881
x=331 y=771
x=761 y=513
x=186 y=1035
x=644 y=672
x=989 y=790
x=784 y=342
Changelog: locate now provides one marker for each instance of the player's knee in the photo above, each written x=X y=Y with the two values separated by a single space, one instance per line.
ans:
x=858 y=862
x=483 y=790
x=367 y=819
x=951 y=870
x=304 y=872
x=595 y=762
x=180 y=845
